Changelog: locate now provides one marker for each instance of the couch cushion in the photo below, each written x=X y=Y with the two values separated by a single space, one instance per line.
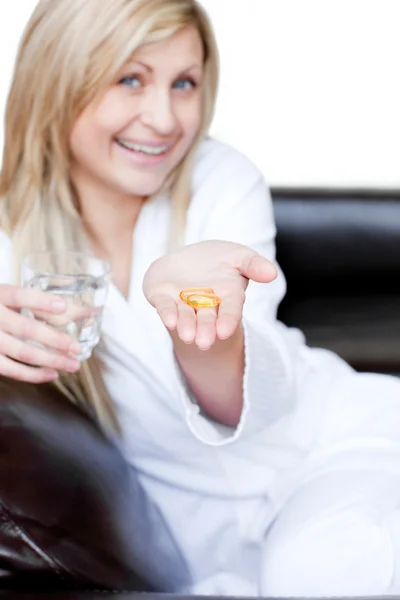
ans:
x=340 y=252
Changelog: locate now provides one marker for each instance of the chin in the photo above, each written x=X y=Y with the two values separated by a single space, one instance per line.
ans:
x=144 y=188
x=143 y=191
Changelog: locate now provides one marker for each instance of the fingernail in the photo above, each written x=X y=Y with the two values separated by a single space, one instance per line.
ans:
x=58 y=305
x=51 y=376
x=75 y=348
x=72 y=366
x=170 y=323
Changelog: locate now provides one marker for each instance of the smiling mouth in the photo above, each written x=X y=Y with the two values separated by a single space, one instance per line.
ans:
x=143 y=149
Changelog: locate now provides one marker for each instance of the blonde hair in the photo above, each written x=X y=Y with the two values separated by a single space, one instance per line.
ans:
x=71 y=51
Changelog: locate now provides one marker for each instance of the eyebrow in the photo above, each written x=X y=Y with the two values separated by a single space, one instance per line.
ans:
x=150 y=69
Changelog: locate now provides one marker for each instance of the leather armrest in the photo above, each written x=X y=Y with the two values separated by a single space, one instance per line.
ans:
x=64 y=493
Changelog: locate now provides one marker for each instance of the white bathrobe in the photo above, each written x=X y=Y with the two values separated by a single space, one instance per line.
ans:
x=302 y=498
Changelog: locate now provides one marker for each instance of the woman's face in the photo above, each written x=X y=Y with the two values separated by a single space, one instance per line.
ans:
x=134 y=137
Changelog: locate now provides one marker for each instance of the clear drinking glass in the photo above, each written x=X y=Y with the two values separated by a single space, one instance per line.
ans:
x=82 y=280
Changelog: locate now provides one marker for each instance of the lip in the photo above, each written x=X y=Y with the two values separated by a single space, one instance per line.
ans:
x=141 y=159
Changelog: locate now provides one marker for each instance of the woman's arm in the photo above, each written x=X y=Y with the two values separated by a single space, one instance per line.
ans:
x=243 y=383
x=242 y=212
x=215 y=376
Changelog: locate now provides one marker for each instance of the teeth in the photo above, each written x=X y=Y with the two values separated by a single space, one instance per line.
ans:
x=152 y=150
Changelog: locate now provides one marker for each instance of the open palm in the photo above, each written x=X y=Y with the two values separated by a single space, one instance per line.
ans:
x=225 y=267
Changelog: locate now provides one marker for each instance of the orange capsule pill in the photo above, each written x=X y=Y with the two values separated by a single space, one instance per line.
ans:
x=203 y=300
x=190 y=291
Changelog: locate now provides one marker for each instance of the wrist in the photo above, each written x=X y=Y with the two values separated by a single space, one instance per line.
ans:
x=215 y=376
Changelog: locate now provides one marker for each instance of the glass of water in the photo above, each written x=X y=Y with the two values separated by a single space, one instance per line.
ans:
x=82 y=280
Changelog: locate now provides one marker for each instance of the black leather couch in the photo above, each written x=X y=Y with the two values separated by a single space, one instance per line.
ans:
x=67 y=505
x=73 y=516
x=340 y=252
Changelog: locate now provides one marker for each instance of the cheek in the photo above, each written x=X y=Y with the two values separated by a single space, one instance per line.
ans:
x=102 y=120
x=191 y=120
x=115 y=111
x=89 y=140
x=85 y=133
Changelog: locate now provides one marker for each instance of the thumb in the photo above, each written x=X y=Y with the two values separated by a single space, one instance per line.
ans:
x=258 y=268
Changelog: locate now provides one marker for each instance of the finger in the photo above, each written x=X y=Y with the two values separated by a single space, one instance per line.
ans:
x=258 y=268
x=73 y=313
x=230 y=314
x=167 y=310
x=13 y=370
x=206 y=328
x=187 y=323
x=32 y=355
x=29 y=329
x=32 y=298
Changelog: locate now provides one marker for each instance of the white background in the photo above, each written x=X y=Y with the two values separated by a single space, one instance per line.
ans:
x=310 y=89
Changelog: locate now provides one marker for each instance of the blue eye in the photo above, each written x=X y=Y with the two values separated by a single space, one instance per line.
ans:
x=184 y=84
x=131 y=81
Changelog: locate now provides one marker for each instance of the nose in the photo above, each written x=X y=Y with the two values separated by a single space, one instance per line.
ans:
x=158 y=111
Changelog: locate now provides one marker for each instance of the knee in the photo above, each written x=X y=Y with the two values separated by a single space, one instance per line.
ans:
x=346 y=551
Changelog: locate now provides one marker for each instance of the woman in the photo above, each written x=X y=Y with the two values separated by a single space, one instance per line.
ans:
x=275 y=466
